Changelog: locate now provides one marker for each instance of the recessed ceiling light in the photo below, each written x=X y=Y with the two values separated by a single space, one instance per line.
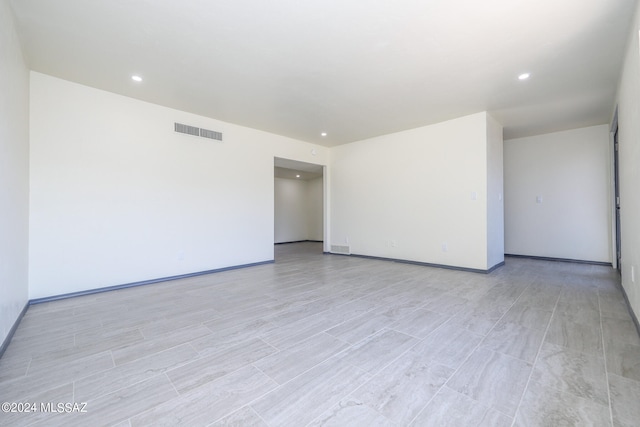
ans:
x=323 y=134
x=524 y=76
x=298 y=176
x=136 y=78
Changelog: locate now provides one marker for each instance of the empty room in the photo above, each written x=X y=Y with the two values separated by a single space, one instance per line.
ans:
x=319 y=213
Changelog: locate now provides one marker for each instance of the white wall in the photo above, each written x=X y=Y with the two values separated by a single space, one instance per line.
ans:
x=14 y=174
x=405 y=195
x=315 y=209
x=629 y=153
x=118 y=197
x=290 y=210
x=495 y=190
x=570 y=171
x=298 y=210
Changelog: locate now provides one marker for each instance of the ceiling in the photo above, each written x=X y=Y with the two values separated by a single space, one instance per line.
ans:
x=295 y=174
x=293 y=169
x=351 y=68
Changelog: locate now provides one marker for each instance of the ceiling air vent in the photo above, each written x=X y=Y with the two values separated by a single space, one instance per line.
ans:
x=192 y=130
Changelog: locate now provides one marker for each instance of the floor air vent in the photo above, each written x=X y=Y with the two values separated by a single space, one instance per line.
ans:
x=340 y=249
x=192 y=130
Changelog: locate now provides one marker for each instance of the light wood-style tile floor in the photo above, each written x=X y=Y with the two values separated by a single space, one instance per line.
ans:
x=336 y=341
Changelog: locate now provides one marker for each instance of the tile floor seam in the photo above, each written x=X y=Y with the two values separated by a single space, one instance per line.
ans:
x=450 y=376
x=345 y=321
x=440 y=326
x=476 y=348
x=227 y=374
x=278 y=350
x=339 y=339
x=428 y=402
x=606 y=369
x=360 y=386
x=207 y=327
x=238 y=410
x=535 y=361
x=248 y=404
x=309 y=369
x=28 y=367
x=270 y=377
x=73 y=391
x=178 y=394
x=154 y=353
x=99 y=396
x=400 y=355
x=418 y=339
x=379 y=332
x=113 y=359
x=346 y=397
x=144 y=338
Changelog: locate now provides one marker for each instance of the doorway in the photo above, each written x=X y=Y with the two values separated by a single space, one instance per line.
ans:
x=299 y=203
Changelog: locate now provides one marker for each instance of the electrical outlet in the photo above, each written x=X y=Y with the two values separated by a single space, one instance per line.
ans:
x=180 y=255
x=394 y=243
x=445 y=248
